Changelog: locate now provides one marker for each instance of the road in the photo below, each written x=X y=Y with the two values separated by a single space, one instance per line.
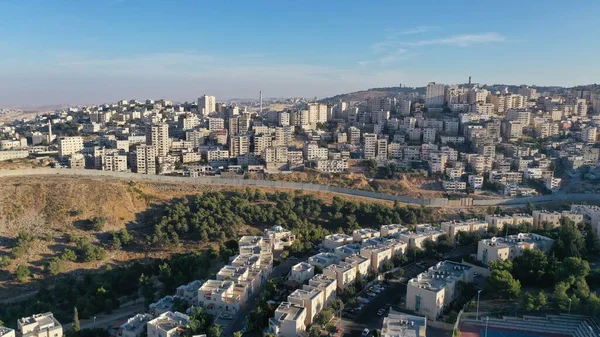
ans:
x=105 y=321
x=239 y=320
x=437 y=202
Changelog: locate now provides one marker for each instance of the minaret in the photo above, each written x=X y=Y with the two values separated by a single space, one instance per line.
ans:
x=469 y=79
x=49 y=131
x=260 y=96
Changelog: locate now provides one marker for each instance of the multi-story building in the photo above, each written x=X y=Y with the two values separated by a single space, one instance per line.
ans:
x=39 y=325
x=359 y=235
x=280 y=237
x=69 y=145
x=143 y=159
x=435 y=95
x=590 y=215
x=421 y=233
x=168 y=324
x=301 y=272
x=370 y=145
x=392 y=229
x=134 y=326
x=219 y=296
x=397 y=324
x=431 y=292
x=114 y=162
x=157 y=135
x=326 y=284
x=206 y=105
x=322 y=260
x=361 y=264
x=347 y=250
x=289 y=320
x=542 y=216
x=239 y=145
x=511 y=246
x=7 y=332
x=378 y=255
x=343 y=274
x=330 y=242
x=472 y=225
x=312 y=300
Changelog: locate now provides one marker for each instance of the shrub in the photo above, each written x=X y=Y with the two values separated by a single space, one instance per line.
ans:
x=55 y=266
x=97 y=223
x=68 y=255
x=22 y=273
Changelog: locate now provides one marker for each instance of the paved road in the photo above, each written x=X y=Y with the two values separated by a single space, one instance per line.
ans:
x=105 y=321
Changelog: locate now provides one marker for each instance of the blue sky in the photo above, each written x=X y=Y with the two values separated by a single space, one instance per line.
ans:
x=84 y=51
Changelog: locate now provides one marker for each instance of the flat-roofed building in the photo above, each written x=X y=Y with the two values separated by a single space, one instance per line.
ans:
x=301 y=272
x=431 y=292
x=219 y=297
x=330 y=242
x=472 y=225
x=39 y=325
x=364 y=233
x=360 y=263
x=499 y=221
x=280 y=237
x=7 y=332
x=591 y=215
x=389 y=230
x=327 y=284
x=421 y=233
x=190 y=291
x=542 y=216
x=134 y=326
x=168 y=324
x=507 y=248
x=289 y=320
x=347 y=250
x=311 y=300
x=399 y=324
x=343 y=274
x=378 y=255
x=323 y=260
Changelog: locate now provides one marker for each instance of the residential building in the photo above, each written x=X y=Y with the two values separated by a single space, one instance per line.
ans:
x=498 y=221
x=435 y=95
x=168 y=324
x=347 y=250
x=370 y=145
x=542 y=216
x=326 y=284
x=430 y=293
x=472 y=225
x=511 y=246
x=378 y=255
x=301 y=272
x=343 y=274
x=322 y=260
x=218 y=296
x=359 y=235
x=289 y=320
x=157 y=135
x=7 y=332
x=143 y=159
x=361 y=264
x=190 y=291
x=69 y=145
x=239 y=145
x=421 y=233
x=114 y=162
x=399 y=324
x=312 y=300
x=280 y=237
x=392 y=229
x=330 y=242
x=206 y=105
x=134 y=326
x=39 y=325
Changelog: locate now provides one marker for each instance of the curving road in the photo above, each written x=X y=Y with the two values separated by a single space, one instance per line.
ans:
x=438 y=202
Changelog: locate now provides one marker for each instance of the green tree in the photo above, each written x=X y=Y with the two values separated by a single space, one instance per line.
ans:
x=97 y=223
x=501 y=284
x=561 y=299
x=592 y=242
x=530 y=267
x=314 y=331
x=55 y=266
x=570 y=241
x=541 y=300
x=5 y=261
x=237 y=334
x=572 y=267
x=76 y=325
x=501 y=265
x=147 y=288
x=22 y=273
x=68 y=255
x=528 y=302
x=324 y=316
x=215 y=331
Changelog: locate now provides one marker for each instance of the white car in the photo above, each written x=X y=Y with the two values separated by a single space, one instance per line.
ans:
x=365 y=332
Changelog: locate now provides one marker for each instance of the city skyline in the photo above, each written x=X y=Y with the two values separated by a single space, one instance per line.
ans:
x=85 y=53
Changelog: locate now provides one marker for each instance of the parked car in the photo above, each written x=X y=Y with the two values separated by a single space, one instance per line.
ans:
x=381 y=311
x=365 y=332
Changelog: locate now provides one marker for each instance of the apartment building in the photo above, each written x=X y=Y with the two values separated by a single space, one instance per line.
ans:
x=435 y=95
x=507 y=248
x=542 y=216
x=207 y=105
x=323 y=260
x=421 y=233
x=431 y=292
x=39 y=325
x=190 y=291
x=359 y=235
x=301 y=272
x=143 y=159
x=499 y=221
x=312 y=300
x=590 y=213
x=343 y=274
x=370 y=145
x=288 y=321
x=7 y=332
x=134 y=326
x=239 y=145
x=378 y=255
x=330 y=242
x=472 y=225
x=280 y=237
x=157 y=135
x=347 y=250
x=326 y=284
x=219 y=297
x=114 y=162
x=392 y=229
x=397 y=324
x=168 y=324
x=69 y=145
x=361 y=264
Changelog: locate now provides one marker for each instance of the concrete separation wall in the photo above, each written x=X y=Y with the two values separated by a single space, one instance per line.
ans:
x=434 y=202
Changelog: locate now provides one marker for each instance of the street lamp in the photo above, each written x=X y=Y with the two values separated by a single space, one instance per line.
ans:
x=477 y=317
x=487 y=319
x=570 y=305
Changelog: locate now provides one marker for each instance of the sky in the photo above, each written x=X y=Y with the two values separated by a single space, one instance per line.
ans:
x=98 y=51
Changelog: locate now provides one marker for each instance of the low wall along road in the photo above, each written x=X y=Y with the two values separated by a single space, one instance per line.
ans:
x=434 y=202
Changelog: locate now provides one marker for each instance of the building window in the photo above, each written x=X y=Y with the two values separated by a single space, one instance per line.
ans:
x=417 y=303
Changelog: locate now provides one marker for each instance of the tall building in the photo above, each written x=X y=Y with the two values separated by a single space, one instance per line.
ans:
x=143 y=159
x=207 y=105
x=435 y=95
x=239 y=145
x=39 y=325
x=157 y=135
x=370 y=149
x=69 y=145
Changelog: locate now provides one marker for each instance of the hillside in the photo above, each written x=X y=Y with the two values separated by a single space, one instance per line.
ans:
x=372 y=93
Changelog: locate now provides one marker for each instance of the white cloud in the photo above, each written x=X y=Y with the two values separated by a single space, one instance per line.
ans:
x=393 y=56
x=410 y=31
x=464 y=40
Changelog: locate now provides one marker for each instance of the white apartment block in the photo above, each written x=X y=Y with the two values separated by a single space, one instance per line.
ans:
x=330 y=242
x=219 y=297
x=289 y=320
x=323 y=260
x=39 y=325
x=144 y=159
x=361 y=264
x=157 y=135
x=7 y=332
x=135 y=326
x=280 y=237
x=215 y=123
x=13 y=154
x=311 y=300
x=239 y=145
x=114 y=162
x=370 y=145
x=343 y=274
x=359 y=235
x=499 y=221
x=398 y=324
x=190 y=291
x=327 y=285
x=332 y=165
x=69 y=145
x=542 y=216
x=421 y=233
x=522 y=116
x=435 y=95
x=472 y=225
x=392 y=229
x=207 y=105
x=313 y=152
x=378 y=255
x=301 y=272
x=590 y=213
x=431 y=292
x=500 y=248
x=475 y=181
x=168 y=324
x=347 y=250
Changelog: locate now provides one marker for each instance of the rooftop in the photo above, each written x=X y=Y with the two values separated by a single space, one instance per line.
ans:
x=305 y=294
x=43 y=321
x=302 y=266
x=338 y=237
x=339 y=268
x=516 y=240
x=400 y=324
x=170 y=320
x=136 y=321
x=4 y=330
x=439 y=275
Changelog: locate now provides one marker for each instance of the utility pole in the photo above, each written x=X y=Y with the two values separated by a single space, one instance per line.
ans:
x=477 y=316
